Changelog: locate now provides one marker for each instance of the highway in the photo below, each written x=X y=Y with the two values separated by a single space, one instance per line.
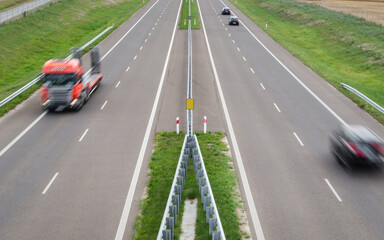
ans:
x=81 y=175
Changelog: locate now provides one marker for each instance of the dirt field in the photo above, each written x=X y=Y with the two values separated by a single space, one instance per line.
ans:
x=370 y=10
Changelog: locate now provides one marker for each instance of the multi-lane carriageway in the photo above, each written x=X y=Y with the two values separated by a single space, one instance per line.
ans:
x=81 y=175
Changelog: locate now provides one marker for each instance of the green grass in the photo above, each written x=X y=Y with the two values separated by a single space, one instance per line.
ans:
x=7 y=4
x=194 y=15
x=162 y=170
x=337 y=46
x=50 y=33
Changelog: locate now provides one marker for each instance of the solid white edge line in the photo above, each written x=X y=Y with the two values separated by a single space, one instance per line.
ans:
x=50 y=183
x=117 y=84
x=110 y=50
x=135 y=177
x=82 y=136
x=262 y=86
x=276 y=107
x=23 y=133
x=294 y=76
x=128 y=68
x=243 y=174
x=298 y=139
x=333 y=190
x=105 y=103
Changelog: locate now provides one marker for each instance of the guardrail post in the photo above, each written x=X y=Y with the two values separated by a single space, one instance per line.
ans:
x=207 y=201
x=212 y=225
x=195 y=152
x=180 y=181
x=209 y=211
x=166 y=234
x=176 y=201
x=196 y=158
x=170 y=222
x=187 y=151
x=182 y=173
x=203 y=192
x=216 y=235
x=202 y=182
x=173 y=211
x=184 y=164
x=178 y=189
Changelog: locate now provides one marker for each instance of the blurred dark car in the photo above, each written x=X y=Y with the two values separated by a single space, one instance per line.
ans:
x=225 y=11
x=233 y=20
x=355 y=145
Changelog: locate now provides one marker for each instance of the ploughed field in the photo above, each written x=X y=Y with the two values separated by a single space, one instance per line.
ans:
x=372 y=10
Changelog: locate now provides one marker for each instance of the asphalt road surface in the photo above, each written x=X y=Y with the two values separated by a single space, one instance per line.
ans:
x=81 y=175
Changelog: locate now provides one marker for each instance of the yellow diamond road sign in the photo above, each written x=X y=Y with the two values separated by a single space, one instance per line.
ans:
x=189 y=103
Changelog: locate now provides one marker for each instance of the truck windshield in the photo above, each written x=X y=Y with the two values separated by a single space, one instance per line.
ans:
x=60 y=79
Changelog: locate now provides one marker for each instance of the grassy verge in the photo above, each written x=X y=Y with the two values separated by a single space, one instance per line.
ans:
x=162 y=170
x=50 y=33
x=7 y=4
x=338 y=47
x=195 y=18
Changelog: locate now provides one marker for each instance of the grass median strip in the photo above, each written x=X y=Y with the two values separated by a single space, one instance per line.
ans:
x=195 y=18
x=50 y=33
x=222 y=177
x=337 y=46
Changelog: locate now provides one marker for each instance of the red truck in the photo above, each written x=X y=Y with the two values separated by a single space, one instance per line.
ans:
x=65 y=85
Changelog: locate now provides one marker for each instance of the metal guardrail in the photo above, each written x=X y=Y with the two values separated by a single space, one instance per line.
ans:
x=190 y=145
x=168 y=222
x=189 y=90
x=41 y=76
x=365 y=98
x=212 y=215
x=22 y=10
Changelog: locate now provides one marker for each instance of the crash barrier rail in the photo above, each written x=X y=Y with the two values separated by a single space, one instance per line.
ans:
x=365 y=98
x=212 y=214
x=169 y=220
x=41 y=76
x=189 y=89
x=22 y=10
x=190 y=149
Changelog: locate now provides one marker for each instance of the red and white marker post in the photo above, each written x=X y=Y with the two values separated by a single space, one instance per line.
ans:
x=177 y=125
x=205 y=124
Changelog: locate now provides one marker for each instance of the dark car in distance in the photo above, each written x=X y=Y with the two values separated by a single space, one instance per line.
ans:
x=233 y=20
x=355 y=145
x=225 y=11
